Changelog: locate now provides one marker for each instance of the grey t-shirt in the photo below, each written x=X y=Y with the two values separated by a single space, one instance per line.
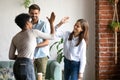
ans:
x=25 y=43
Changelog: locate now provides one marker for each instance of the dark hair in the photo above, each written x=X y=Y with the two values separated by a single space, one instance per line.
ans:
x=83 y=34
x=21 y=20
x=34 y=6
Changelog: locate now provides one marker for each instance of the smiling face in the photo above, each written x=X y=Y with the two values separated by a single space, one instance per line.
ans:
x=77 y=28
x=34 y=13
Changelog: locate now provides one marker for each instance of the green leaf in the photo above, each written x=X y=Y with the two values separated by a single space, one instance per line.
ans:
x=61 y=40
x=60 y=57
x=53 y=45
x=27 y=3
x=60 y=50
x=114 y=24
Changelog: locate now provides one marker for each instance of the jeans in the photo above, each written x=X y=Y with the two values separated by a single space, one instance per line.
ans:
x=23 y=69
x=71 y=69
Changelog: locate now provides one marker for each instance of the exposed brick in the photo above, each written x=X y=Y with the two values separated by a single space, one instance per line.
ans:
x=106 y=45
x=106 y=54
x=105 y=59
x=106 y=69
x=106 y=35
x=108 y=63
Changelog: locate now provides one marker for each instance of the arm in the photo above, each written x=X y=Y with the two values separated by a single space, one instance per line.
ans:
x=82 y=59
x=51 y=20
x=44 y=35
x=63 y=20
x=44 y=43
x=12 y=50
x=61 y=32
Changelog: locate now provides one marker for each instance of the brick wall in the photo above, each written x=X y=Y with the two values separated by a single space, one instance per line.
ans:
x=106 y=69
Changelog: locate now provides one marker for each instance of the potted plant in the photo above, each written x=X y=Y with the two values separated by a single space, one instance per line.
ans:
x=115 y=26
x=27 y=3
x=59 y=49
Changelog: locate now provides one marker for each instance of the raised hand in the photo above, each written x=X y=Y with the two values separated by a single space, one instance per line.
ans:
x=64 y=20
x=52 y=18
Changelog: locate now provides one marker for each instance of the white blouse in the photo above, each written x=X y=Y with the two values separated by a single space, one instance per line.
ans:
x=71 y=51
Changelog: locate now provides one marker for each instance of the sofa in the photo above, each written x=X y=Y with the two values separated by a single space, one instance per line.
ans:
x=54 y=71
x=6 y=70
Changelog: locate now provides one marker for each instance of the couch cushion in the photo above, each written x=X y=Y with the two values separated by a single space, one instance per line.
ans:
x=6 y=64
x=6 y=70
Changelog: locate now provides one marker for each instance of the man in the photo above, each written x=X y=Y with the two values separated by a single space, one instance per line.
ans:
x=42 y=50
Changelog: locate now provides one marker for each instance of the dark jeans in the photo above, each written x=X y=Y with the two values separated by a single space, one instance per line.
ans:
x=23 y=69
x=71 y=69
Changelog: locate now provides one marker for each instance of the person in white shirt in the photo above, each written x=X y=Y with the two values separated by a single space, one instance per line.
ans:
x=74 y=48
x=25 y=43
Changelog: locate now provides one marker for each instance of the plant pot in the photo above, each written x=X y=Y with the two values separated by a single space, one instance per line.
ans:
x=115 y=26
x=116 y=29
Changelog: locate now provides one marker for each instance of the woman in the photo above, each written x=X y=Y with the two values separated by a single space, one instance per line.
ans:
x=25 y=43
x=75 y=44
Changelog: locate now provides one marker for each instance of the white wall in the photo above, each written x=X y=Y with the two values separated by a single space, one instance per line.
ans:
x=8 y=10
x=75 y=9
